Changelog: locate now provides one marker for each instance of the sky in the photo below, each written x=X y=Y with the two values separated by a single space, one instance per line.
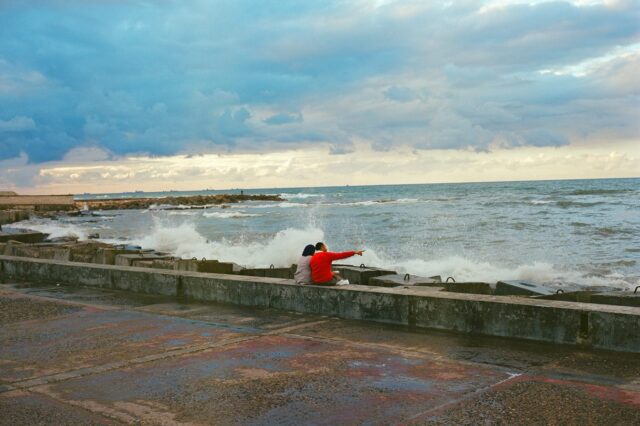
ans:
x=114 y=95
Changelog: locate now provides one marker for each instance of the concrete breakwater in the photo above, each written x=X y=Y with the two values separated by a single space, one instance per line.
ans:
x=587 y=324
x=193 y=201
x=11 y=216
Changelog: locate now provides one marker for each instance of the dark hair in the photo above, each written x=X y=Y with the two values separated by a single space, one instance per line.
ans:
x=319 y=245
x=309 y=250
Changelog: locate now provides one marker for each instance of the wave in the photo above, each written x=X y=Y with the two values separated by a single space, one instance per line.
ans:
x=55 y=229
x=569 y=204
x=284 y=204
x=607 y=231
x=288 y=204
x=229 y=215
x=284 y=248
x=463 y=269
x=376 y=202
x=599 y=191
x=182 y=213
x=183 y=240
x=300 y=195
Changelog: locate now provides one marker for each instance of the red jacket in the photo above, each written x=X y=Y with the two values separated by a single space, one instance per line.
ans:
x=321 y=264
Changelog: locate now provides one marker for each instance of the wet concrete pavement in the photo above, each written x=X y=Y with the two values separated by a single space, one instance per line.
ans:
x=72 y=355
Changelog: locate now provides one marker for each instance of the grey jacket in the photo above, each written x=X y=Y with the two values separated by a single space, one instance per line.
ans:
x=303 y=271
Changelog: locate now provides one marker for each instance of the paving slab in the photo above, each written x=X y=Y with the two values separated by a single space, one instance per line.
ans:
x=279 y=380
x=93 y=296
x=92 y=336
x=26 y=408
x=16 y=308
x=177 y=362
x=220 y=314
x=518 y=356
x=541 y=401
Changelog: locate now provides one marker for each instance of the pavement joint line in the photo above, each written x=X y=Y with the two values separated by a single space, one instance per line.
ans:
x=86 y=371
x=417 y=353
x=101 y=410
x=36 y=391
x=295 y=325
x=73 y=374
x=466 y=397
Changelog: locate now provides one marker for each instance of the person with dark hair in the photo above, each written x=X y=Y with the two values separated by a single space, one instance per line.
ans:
x=321 y=272
x=303 y=270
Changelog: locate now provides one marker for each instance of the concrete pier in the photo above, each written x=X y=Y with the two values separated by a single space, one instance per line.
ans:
x=589 y=325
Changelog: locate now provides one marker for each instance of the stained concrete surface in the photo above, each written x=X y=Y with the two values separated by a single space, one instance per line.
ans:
x=86 y=356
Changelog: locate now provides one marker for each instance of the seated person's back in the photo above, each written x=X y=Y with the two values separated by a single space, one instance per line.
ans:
x=321 y=263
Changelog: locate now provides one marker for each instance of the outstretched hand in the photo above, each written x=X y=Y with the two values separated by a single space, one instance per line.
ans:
x=359 y=252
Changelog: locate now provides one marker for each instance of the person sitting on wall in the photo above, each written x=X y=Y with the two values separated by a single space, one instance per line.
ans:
x=321 y=272
x=303 y=269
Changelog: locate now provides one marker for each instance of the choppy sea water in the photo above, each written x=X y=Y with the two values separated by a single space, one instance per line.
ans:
x=555 y=232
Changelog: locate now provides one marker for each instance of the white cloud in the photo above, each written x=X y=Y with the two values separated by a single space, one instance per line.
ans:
x=17 y=124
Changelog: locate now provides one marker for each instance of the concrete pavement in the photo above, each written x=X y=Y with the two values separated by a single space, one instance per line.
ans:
x=75 y=355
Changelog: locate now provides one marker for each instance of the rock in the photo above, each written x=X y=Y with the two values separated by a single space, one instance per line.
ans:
x=93 y=236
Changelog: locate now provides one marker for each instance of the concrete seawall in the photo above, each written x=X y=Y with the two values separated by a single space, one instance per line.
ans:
x=592 y=325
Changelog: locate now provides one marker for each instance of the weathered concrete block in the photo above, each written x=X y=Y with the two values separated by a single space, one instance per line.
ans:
x=284 y=273
x=12 y=216
x=397 y=280
x=55 y=253
x=128 y=259
x=570 y=295
x=169 y=264
x=619 y=331
x=78 y=275
x=620 y=298
x=312 y=299
x=26 y=250
x=360 y=274
x=107 y=256
x=237 y=289
x=10 y=246
x=23 y=236
x=208 y=266
x=85 y=251
x=470 y=287
x=362 y=304
x=542 y=323
x=522 y=288
x=142 y=263
x=145 y=281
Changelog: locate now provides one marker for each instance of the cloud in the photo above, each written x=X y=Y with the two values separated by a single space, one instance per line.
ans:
x=17 y=124
x=279 y=168
x=400 y=94
x=279 y=119
x=167 y=78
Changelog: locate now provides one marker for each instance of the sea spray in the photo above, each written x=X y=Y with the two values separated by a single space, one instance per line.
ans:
x=185 y=241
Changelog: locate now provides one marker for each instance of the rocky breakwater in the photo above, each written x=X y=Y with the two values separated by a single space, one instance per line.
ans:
x=193 y=201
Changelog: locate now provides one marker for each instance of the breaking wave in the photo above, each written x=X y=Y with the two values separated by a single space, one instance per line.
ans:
x=55 y=229
x=229 y=215
x=284 y=248
x=300 y=195
x=183 y=240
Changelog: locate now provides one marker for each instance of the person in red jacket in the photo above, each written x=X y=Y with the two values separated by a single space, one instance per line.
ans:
x=321 y=272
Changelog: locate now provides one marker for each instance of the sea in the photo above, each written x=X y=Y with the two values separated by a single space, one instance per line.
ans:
x=560 y=233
